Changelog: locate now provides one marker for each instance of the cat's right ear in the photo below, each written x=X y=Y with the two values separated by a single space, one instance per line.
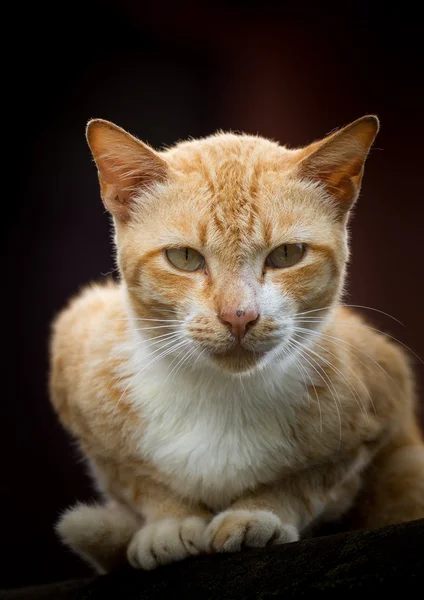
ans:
x=125 y=166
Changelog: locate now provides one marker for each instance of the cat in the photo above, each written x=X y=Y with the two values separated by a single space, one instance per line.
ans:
x=222 y=394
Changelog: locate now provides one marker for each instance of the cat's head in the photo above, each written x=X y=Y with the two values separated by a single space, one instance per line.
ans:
x=233 y=245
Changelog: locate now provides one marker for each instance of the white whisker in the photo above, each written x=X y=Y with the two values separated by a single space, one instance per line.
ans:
x=155 y=320
x=115 y=382
x=180 y=363
x=149 y=328
x=326 y=335
x=163 y=338
x=348 y=384
x=352 y=306
x=202 y=351
x=392 y=337
x=337 y=341
x=302 y=372
x=302 y=350
x=184 y=352
x=153 y=361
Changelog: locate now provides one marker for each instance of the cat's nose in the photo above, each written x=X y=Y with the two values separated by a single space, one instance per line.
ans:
x=239 y=321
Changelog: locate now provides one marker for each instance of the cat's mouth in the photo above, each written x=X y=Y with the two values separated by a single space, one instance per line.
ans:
x=237 y=359
x=231 y=353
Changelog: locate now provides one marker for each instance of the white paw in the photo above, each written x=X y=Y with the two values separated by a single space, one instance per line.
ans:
x=167 y=541
x=232 y=530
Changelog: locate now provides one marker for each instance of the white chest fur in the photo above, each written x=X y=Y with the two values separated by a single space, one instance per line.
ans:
x=214 y=435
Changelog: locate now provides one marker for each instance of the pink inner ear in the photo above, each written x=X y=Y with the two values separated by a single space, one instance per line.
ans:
x=338 y=161
x=116 y=170
x=339 y=168
x=343 y=185
x=133 y=171
x=125 y=165
x=341 y=178
x=121 y=181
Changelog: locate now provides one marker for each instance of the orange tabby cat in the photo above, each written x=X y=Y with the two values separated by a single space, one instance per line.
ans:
x=222 y=395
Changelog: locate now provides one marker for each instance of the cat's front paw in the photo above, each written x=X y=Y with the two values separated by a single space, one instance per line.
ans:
x=232 y=530
x=167 y=541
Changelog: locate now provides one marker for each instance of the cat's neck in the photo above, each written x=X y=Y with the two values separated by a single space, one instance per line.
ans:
x=193 y=385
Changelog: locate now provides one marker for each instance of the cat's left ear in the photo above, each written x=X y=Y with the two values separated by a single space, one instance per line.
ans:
x=338 y=161
x=125 y=166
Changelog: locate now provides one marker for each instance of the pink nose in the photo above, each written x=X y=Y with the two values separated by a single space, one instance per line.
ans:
x=239 y=321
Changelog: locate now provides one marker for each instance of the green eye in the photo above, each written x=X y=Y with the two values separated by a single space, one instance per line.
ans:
x=185 y=259
x=286 y=255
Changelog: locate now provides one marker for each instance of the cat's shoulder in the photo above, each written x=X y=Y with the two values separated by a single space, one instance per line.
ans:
x=94 y=296
x=349 y=314
x=84 y=357
x=389 y=358
x=94 y=300
x=94 y=320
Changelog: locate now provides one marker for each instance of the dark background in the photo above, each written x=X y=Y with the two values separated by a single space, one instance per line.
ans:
x=165 y=74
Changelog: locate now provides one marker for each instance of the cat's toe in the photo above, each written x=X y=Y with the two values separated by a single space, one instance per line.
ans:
x=193 y=534
x=166 y=541
x=232 y=530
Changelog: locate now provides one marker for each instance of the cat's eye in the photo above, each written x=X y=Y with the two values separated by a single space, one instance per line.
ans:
x=285 y=255
x=185 y=259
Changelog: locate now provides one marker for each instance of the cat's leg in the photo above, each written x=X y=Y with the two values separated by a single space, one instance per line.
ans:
x=393 y=489
x=253 y=522
x=278 y=513
x=249 y=527
x=174 y=529
x=100 y=534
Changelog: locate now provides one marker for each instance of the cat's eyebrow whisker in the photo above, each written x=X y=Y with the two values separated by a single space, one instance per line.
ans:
x=392 y=337
x=302 y=351
x=356 y=395
x=337 y=339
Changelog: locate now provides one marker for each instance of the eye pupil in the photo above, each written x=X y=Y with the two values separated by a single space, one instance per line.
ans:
x=185 y=259
x=285 y=256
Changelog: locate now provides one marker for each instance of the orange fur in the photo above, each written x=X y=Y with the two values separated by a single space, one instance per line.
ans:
x=348 y=438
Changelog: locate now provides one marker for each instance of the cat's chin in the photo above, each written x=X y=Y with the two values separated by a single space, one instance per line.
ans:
x=237 y=361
